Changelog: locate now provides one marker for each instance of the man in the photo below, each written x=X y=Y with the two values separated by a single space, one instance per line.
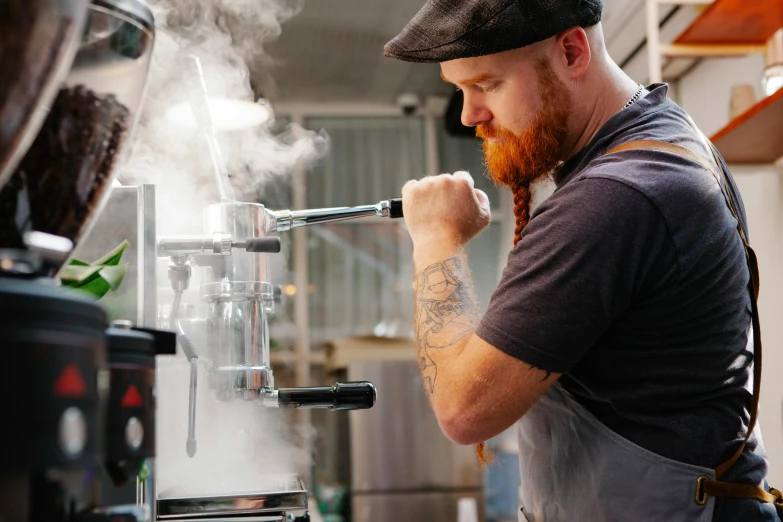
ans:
x=619 y=337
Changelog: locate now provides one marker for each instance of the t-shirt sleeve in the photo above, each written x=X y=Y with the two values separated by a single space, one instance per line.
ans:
x=581 y=261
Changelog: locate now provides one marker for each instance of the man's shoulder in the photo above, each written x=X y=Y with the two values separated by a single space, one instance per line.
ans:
x=665 y=178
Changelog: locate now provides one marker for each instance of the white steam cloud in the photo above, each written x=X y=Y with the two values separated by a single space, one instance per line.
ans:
x=242 y=446
x=228 y=37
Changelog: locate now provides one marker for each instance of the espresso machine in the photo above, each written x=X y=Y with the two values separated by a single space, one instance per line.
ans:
x=240 y=296
x=74 y=73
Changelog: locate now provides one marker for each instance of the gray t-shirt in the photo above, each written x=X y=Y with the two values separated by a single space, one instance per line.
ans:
x=631 y=279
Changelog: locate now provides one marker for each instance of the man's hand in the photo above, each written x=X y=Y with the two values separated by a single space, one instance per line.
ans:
x=444 y=210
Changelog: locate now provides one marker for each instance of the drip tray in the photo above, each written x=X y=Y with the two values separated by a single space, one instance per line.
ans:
x=289 y=494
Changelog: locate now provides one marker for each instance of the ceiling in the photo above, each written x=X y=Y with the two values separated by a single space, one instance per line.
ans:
x=333 y=51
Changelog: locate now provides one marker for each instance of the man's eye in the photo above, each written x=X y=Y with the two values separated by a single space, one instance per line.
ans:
x=490 y=87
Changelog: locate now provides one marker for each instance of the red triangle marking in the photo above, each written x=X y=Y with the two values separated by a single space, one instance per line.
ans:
x=131 y=399
x=70 y=383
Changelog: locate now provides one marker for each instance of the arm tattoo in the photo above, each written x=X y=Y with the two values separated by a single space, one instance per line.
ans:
x=445 y=313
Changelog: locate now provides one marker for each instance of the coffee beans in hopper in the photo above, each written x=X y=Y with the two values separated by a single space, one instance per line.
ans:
x=67 y=170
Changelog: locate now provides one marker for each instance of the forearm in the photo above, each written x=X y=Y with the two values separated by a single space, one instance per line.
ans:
x=446 y=317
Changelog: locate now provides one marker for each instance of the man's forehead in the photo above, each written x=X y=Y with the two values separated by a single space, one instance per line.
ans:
x=469 y=70
x=482 y=68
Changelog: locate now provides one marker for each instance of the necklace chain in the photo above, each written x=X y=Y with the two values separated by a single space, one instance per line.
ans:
x=634 y=98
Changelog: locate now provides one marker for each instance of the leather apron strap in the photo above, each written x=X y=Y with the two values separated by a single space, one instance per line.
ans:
x=705 y=486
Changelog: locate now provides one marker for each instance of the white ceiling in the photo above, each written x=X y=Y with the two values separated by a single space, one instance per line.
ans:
x=333 y=51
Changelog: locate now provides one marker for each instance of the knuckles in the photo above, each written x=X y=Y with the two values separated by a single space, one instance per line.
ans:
x=429 y=185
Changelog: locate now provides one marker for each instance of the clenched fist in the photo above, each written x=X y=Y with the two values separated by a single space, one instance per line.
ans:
x=444 y=210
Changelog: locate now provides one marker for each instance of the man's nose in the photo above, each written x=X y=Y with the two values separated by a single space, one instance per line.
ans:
x=474 y=112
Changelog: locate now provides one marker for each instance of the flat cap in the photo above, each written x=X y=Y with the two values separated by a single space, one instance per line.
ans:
x=446 y=30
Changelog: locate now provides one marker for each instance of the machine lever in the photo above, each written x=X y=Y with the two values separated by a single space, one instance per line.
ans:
x=395 y=208
x=341 y=396
x=267 y=245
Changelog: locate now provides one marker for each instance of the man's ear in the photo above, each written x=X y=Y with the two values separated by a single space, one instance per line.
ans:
x=573 y=52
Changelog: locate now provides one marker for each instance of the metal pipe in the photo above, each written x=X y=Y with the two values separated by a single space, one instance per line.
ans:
x=190 y=445
x=201 y=111
x=216 y=244
x=179 y=274
x=283 y=220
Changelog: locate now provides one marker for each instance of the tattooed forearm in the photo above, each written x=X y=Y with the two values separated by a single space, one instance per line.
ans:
x=445 y=313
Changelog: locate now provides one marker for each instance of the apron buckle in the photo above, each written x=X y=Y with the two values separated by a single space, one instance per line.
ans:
x=701 y=496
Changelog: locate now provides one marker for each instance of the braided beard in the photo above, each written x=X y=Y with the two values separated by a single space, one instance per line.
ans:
x=520 y=159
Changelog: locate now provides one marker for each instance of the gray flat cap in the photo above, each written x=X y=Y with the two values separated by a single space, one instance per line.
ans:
x=449 y=29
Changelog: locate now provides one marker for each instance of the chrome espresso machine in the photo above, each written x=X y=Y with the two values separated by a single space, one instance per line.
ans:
x=232 y=254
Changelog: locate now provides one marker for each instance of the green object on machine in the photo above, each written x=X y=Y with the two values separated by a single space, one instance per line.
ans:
x=99 y=277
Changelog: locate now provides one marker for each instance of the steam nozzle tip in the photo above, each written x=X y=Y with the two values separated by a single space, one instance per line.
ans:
x=190 y=447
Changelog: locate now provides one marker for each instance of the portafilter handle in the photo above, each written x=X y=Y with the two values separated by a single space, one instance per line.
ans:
x=341 y=396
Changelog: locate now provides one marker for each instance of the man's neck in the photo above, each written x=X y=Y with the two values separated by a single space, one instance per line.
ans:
x=613 y=88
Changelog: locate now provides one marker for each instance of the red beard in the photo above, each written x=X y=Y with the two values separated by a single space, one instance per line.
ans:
x=525 y=157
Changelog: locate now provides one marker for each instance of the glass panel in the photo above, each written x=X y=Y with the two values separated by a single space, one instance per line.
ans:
x=360 y=273
x=360 y=281
x=370 y=160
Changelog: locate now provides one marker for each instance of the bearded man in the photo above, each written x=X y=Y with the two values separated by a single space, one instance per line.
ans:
x=621 y=337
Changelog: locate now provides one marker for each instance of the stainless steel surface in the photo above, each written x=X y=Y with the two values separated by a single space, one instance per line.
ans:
x=36 y=56
x=239 y=299
x=283 y=220
x=237 y=336
x=147 y=291
x=238 y=291
x=214 y=244
x=413 y=506
x=398 y=444
x=240 y=221
x=247 y=518
x=190 y=445
x=289 y=494
x=129 y=214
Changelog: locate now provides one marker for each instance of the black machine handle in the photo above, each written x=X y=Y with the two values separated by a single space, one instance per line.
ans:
x=165 y=340
x=395 y=208
x=341 y=396
x=267 y=245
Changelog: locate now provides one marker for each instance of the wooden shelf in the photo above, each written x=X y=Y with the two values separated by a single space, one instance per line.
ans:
x=739 y=22
x=756 y=136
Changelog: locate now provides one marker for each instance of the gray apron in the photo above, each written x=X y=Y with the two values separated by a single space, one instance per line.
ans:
x=574 y=468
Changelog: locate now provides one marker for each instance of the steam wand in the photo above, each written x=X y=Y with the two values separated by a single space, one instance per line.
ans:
x=179 y=275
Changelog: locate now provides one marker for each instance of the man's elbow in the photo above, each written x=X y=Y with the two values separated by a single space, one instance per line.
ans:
x=471 y=423
x=463 y=428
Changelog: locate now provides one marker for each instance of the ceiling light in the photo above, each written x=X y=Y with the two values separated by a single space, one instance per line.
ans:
x=227 y=114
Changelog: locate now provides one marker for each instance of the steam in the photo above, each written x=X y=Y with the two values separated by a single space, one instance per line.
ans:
x=242 y=446
x=228 y=37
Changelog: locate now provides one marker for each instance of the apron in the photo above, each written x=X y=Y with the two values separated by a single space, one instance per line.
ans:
x=574 y=468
